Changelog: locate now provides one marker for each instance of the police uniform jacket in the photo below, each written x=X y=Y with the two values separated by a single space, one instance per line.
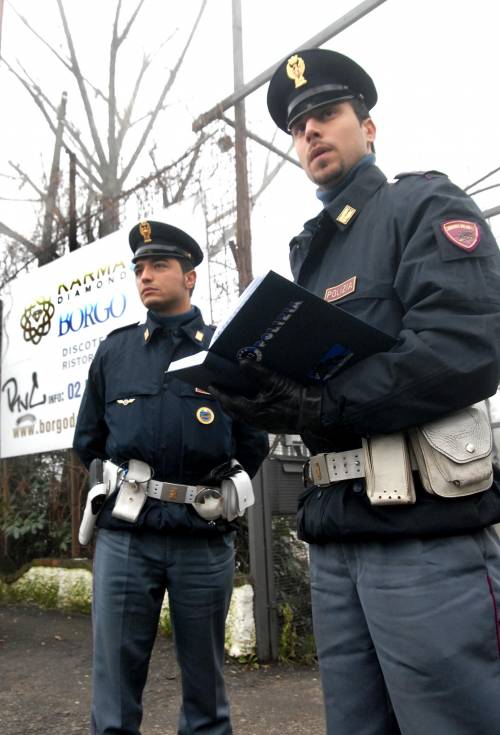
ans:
x=416 y=259
x=132 y=409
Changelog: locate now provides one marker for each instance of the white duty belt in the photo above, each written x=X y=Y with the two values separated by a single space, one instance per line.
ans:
x=384 y=461
x=228 y=500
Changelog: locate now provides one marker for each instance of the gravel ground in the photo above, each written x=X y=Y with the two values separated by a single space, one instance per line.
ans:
x=45 y=660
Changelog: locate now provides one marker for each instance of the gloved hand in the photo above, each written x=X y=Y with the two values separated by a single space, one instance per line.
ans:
x=280 y=406
x=222 y=471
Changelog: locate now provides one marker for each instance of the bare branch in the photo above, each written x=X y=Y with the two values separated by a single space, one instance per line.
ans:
x=192 y=163
x=130 y=23
x=26 y=179
x=75 y=68
x=168 y=84
x=53 y=50
x=37 y=98
x=30 y=247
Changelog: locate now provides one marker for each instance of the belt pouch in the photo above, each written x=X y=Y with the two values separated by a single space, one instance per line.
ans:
x=389 y=480
x=454 y=454
x=129 y=501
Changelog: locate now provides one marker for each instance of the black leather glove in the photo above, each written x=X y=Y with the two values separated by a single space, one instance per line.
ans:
x=280 y=406
x=221 y=472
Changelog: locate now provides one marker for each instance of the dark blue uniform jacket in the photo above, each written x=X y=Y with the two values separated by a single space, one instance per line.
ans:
x=440 y=299
x=132 y=409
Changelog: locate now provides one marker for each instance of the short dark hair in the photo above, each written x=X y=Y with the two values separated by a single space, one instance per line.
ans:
x=362 y=112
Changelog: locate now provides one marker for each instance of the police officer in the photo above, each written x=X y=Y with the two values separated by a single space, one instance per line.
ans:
x=406 y=596
x=133 y=412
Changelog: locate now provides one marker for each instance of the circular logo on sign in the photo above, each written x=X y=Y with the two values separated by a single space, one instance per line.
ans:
x=35 y=321
x=205 y=415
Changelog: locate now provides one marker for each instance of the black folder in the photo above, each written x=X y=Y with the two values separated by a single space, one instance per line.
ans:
x=287 y=329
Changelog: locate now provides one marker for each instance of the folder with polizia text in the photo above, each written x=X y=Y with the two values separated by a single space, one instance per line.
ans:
x=287 y=329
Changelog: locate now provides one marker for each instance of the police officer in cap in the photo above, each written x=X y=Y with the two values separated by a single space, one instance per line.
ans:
x=406 y=584
x=171 y=456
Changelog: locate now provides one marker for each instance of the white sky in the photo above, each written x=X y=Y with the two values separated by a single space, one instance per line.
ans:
x=435 y=64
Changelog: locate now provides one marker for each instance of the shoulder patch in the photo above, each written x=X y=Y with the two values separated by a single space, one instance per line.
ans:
x=121 y=329
x=426 y=174
x=462 y=233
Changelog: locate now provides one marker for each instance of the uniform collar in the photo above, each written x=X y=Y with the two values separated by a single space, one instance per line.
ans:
x=344 y=209
x=193 y=327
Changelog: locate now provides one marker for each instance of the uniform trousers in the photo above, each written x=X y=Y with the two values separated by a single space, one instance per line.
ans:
x=132 y=571
x=408 y=630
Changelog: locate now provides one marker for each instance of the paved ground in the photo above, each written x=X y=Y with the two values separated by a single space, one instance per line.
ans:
x=45 y=659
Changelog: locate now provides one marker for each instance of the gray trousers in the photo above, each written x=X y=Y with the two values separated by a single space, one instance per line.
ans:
x=407 y=634
x=131 y=573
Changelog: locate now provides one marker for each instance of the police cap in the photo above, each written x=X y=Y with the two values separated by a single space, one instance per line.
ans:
x=149 y=238
x=313 y=77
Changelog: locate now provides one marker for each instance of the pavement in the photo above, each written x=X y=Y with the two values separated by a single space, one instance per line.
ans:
x=45 y=664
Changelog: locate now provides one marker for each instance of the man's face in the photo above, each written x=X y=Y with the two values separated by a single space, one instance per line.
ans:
x=330 y=140
x=162 y=285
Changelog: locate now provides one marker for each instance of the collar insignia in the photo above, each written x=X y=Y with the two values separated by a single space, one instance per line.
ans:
x=295 y=68
x=198 y=336
x=343 y=289
x=145 y=230
x=346 y=214
x=125 y=401
x=465 y=235
x=146 y=334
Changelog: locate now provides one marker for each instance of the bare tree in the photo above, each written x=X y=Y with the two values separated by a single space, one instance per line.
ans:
x=105 y=158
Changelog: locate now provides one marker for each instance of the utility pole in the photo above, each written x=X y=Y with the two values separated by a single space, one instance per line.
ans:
x=1 y=18
x=242 y=250
x=50 y=202
x=72 y=238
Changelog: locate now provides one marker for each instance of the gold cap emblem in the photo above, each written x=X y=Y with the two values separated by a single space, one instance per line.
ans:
x=295 y=69
x=145 y=230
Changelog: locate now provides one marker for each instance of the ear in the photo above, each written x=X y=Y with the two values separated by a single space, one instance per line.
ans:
x=190 y=279
x=370 y=130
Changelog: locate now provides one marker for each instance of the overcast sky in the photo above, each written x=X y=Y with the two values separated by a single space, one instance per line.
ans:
x=435 y=64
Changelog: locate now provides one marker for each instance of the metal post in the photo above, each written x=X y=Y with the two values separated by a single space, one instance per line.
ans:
x=243 y=250
x=72 y=238
x=260 y=538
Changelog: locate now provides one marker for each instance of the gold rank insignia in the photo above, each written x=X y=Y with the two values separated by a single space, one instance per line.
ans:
x=205 y=415
x=125 y=401
x=198 y=336
x=146 y=334
x=295 y=68
x=145 y=230
x=346 y=214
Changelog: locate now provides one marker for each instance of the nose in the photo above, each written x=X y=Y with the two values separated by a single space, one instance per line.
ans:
x=312 y=128
x=146 y=273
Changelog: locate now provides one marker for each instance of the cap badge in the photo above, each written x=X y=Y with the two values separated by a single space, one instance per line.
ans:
x=295 y=68
x=145 y=230
x=205 y=415
x=465 y=235
x=346 y=215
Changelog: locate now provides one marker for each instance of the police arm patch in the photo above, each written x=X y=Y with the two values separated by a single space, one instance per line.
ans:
x=462 y=233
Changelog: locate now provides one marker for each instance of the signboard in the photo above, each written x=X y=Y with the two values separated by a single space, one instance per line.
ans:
x=53 y=321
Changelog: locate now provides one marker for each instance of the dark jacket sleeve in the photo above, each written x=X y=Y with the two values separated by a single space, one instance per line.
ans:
x=91 y=431
x=251 y=446
x=448 y=350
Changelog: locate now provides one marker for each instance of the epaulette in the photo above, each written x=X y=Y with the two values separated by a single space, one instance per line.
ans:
x=120 y=329
x=426 y=174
